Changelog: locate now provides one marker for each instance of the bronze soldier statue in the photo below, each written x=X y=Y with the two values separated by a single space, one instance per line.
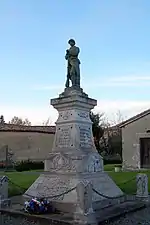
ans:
x=73 y=70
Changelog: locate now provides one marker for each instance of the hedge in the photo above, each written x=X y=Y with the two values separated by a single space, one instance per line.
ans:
x=27 y=165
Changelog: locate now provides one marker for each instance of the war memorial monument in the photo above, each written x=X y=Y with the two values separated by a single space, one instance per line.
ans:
x=74 y=168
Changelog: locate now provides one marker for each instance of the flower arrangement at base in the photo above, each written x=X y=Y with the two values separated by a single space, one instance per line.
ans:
x=38 y=206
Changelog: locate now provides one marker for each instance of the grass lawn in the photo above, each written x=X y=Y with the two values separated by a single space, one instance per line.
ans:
x=20 y=182
x=110 y=167
x=125 y=180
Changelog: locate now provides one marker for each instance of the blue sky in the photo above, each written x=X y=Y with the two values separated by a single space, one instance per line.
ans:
x=113 y=36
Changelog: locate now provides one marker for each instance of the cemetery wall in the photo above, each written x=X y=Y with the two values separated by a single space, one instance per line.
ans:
x=27 y=142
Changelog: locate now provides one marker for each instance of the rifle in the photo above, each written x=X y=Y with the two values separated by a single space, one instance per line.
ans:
x=68 y=74
x=68 y=77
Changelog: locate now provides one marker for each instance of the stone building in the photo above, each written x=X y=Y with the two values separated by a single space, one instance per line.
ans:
x=26 y=142
x=136 y=141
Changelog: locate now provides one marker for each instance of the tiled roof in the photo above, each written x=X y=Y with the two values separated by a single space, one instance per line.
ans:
x=20 y=128
x=135 y=118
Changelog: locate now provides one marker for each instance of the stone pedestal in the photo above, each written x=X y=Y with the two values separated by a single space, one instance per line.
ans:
x=142 y=187
x=84 y=213
x=74 y=158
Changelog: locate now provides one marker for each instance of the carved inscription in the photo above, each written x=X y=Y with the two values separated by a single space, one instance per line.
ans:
x=142 y=185
x=63 y=137
x=66 y=115
x=84 y=197
x=61 y=162
x=59 y=188
x=95 y=164
x=58 y=162
x=83 y=115
x=52 y=187
x=85 y=137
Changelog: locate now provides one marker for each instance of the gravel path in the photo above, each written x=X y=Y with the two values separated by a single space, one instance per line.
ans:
x=139 y=217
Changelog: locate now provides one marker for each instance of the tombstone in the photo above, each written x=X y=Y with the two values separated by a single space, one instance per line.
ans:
x=4 y=201
x=9 y=158
x=142 y=187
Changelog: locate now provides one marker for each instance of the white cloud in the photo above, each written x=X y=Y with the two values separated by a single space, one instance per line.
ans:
x=129 y=78
x=37 y=115
x=110 y=105
x=127 y=108
x=119 y=81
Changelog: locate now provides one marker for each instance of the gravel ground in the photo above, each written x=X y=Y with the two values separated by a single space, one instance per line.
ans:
x=136 y=218
x=139 y=217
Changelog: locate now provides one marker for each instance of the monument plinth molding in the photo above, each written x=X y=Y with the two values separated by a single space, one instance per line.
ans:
x=73 y=158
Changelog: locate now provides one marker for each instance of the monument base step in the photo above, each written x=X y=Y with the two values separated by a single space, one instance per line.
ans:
x=114 y=212
x=103 y=216
x=51 y=185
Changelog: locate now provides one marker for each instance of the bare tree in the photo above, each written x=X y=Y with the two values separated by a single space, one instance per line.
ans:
x=19 y=121
x=97 y=128
x=118 y=118
x=48 y=122
x=111 y=141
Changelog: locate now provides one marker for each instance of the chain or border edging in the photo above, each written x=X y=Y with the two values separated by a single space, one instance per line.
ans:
x=49 y=197
x=66 y=192
x=109 y=197
x=17 y=185
x=54 y=196
x=106 y=196
x=132 y=179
